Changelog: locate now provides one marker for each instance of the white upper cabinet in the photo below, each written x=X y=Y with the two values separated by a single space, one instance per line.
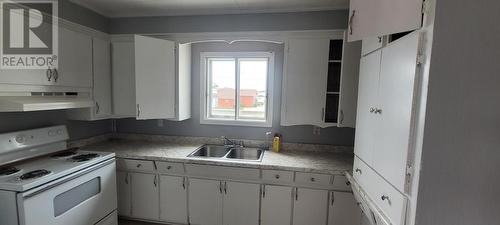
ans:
x=320 y=82
x=382 y=17
x=75 y=59
x=156 y=77
x=386 y=108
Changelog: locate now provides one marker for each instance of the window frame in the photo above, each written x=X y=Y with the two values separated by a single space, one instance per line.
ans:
x=204 y=95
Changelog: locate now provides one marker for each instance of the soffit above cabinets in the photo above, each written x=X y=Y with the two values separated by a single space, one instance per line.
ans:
x=136 y=8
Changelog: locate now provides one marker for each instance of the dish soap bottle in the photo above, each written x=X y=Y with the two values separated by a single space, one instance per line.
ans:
x=276 y=143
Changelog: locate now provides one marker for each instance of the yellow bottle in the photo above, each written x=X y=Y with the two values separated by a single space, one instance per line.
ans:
x=276 y=144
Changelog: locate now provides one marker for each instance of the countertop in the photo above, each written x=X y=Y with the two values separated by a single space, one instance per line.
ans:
x=296 y=160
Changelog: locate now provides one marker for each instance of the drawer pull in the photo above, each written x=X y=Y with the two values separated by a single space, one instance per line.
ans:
x=139 y=165
x=347 y=183
x=169 y=167
x=277 y=176
x=358 y=170
x=313 y=179
x=384 y=197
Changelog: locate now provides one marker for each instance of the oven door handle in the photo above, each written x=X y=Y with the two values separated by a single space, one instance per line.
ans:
x=48 y=186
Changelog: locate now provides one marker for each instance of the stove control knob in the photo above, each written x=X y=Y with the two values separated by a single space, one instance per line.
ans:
x=51 y=133
x=20 y=139
x=59 y=132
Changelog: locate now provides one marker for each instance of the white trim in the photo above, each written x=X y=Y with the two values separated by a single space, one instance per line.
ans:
x=204 y=90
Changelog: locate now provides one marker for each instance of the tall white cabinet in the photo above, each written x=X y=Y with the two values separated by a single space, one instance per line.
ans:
x=320 y=82
x=151 y=78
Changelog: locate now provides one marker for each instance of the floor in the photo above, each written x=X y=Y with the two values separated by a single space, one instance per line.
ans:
x=131 y=222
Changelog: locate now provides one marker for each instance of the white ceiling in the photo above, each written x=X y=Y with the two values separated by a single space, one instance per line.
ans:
x=133 y=8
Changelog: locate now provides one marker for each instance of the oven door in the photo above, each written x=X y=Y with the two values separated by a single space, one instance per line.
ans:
x=83 y=198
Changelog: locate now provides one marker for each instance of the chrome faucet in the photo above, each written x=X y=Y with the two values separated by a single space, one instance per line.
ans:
x=231 y=143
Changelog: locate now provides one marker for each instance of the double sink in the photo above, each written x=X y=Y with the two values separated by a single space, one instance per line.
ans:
x=228 y=153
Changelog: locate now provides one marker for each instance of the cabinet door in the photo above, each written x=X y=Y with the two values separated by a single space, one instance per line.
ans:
x=75 y=59
x=349 y=84
x=123 y=79
x=241 y=204
x=371 y=44
x=145 y=198
x=124 y=194
x=276 y=206
x=382 y=17
x=304 y=82
x=205 y=202
x=154 y=78
x=102 y=77
x=343 y=209
x=367 y=97
x=173 y=199
x=396 y=99
x=310 y=207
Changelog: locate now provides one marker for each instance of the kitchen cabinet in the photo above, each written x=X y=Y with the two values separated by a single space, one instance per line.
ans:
x=343 y=209
x=151 y=78
x=307 y=199
x=101 y=88
x=320 y=82
x=382 y=17
x=144 y=191
x=205 y=202
x=75 y=59
x=124 y=193
x=371 y=44
x=241 y=203
x=386 y=110
x=173 y=199
x=276 y=205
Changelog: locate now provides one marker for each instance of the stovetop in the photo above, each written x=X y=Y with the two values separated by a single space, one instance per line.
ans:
x=24 y=175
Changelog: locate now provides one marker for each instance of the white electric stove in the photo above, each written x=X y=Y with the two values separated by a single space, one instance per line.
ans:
x=44 y=183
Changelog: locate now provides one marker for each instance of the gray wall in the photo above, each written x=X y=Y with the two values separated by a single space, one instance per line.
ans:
x=78 y=14
x=459 y=180
x=29 y=120
x=192 y=127
x=335 y=19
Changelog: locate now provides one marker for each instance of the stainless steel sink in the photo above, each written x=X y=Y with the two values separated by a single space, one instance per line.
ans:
x=211 y=151
x=228 y=153
x=245 y=154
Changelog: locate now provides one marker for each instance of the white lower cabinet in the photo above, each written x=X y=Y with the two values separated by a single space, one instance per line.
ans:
x=310 y=207
x=241 y=203
x=205 y=202
x=343 y=209
x=173 y=199
x=123 y=189
x=145 y=200
x=276 y=205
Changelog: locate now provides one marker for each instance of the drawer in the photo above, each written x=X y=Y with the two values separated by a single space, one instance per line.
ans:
x=222 y=172
x=170 y=167
x=136 y=165
x=313 y=178
x=278 y=176
x=340 y=183
x=390 y=201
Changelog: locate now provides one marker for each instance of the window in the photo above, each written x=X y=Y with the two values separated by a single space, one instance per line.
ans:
x=236 y=88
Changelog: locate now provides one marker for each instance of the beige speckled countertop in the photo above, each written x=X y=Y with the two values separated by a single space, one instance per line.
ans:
x=302 y=161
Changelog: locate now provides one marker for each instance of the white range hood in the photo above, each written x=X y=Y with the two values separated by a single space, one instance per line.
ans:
x=39 y=103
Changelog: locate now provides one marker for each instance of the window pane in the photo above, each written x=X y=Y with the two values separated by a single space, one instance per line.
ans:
x=253 y=89
x=221 y=88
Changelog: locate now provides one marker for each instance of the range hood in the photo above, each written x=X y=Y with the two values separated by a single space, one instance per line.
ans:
x=39 y=103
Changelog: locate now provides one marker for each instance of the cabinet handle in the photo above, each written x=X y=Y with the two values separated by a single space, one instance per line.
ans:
x=138 y=165
x=296 y=194
x=358 y=170
x=184 y=183
x=169 y=167
x=379 y=39
x=348 y=183
x=341 y=116
x=48 y=73
x=313 y=179
x=332 y=198
x=138 y=110
x=155 y=180
x=225 y=188
x=220 y=187
x=322 y=114
x=350 y=21
x=379 y=111
x=263 y=191
x=372 y=109
x=97 y=108
x=126 y=178
x=277 y=176
x=385 y=197
x=55 y=75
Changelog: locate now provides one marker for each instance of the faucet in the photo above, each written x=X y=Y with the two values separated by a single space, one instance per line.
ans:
x=231 y=143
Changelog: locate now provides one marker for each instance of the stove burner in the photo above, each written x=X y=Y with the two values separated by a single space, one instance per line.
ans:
x=66 y=153
x=84 y=157
x=9 y=170
x=34 y=174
